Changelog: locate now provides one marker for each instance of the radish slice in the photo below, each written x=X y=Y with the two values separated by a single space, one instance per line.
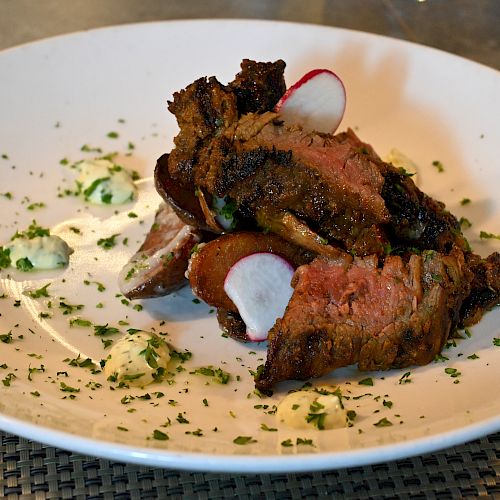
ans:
x=259 y=286
x=316 y=102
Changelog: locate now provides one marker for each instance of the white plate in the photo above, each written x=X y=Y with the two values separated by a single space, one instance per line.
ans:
x=61 y=93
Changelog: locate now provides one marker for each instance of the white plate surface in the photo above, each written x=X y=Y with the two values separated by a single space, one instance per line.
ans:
x=62 y=93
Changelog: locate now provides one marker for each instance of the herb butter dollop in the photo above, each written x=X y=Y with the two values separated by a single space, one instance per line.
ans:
x=102 y=182
x=315 y=408
x=35 y=249
x=137 y=359
x=40 y=252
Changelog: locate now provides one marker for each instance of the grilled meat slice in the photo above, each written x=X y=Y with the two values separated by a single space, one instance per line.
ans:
x=485 y=288
x=346 y=311
x=231 y=144
x=259 y=85
x=158 y=267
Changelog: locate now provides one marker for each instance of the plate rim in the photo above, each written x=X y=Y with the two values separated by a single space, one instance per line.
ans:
x=240 y=463
x=254 y=464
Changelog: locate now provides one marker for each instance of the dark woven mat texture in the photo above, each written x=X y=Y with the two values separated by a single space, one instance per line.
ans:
x=31 y=470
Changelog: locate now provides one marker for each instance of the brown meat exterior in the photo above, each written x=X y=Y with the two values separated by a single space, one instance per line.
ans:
x=231 y=144
x=346 y=311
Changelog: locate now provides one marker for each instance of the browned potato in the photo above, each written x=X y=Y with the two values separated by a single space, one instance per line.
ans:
x=211 y=263
x=184 y=202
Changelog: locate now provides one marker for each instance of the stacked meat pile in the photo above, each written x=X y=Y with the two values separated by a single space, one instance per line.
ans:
x=384 y=274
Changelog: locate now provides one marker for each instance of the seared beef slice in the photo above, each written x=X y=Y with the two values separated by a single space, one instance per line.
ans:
x=347 y=311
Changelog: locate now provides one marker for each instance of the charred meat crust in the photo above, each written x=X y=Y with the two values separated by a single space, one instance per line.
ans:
x=259 y=85
x=485 y=288
x=344 y=312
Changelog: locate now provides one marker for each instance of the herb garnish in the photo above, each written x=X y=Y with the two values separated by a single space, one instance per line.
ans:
x=242 y=440
x=366 y=381
x=383 y=422
x=36 y=294
x=160 y=436
x=107 y=243
x=484 y=235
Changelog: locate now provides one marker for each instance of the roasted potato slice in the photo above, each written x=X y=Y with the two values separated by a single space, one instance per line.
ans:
x=184 y=202
x=209 y=266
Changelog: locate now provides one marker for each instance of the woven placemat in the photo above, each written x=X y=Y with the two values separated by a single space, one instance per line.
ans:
x=33 y=470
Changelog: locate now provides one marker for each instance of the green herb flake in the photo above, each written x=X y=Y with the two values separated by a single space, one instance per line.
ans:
x=439 y=358
x=438 y=165
x=36 y=394
x=473 y=356
x=452 y=372
x=304 y=442
x=287 y=443
x=67 y=388
x=102 y=330
x=6 y=338
x=24 y=264
x=465 y=223
x=264 y=427
x=496 y=342
x=366 y=381
x=383 y=422
x=80 y=322
x=160 y=436
x=8 y=379
x=243 y=440
x=5 y=258
x=387 y=404
x=405 y=379
x=485 y=236
x=107 y=243
x=41 y=292
x=34 y=206
x=112 y=135
x=465 y=201
x=181 y=419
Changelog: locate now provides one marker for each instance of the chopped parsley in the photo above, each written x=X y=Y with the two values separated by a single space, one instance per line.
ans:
x=112 y=135
x=366 y=381
x=36 y=294
x=465 y=201
x=264 y=427
x=160 y=436
x=6 y=338
x=4 y=257
x=465 y=223
x=496 y=342
x=67 y=388
x=314 y=417
x=242 y=440
x=33 y=231
x=438 y=165
x=287 y=443
x=219 y=375
x=24 y=264
x=405 y=379
x=485 y=236
x=107 y=243
x=101 y=330
x=383 y=422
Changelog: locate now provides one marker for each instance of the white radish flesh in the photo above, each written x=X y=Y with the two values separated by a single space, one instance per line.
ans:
x=259 y=285
x=316 y=102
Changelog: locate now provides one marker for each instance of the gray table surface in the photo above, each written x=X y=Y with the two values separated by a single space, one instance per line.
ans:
x=469 y=28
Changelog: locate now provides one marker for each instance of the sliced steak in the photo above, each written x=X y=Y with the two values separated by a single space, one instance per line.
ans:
x=346 y=311
x=485 y=288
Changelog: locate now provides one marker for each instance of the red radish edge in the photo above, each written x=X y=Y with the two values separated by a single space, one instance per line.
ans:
x=301 y=82
x=283 y=261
